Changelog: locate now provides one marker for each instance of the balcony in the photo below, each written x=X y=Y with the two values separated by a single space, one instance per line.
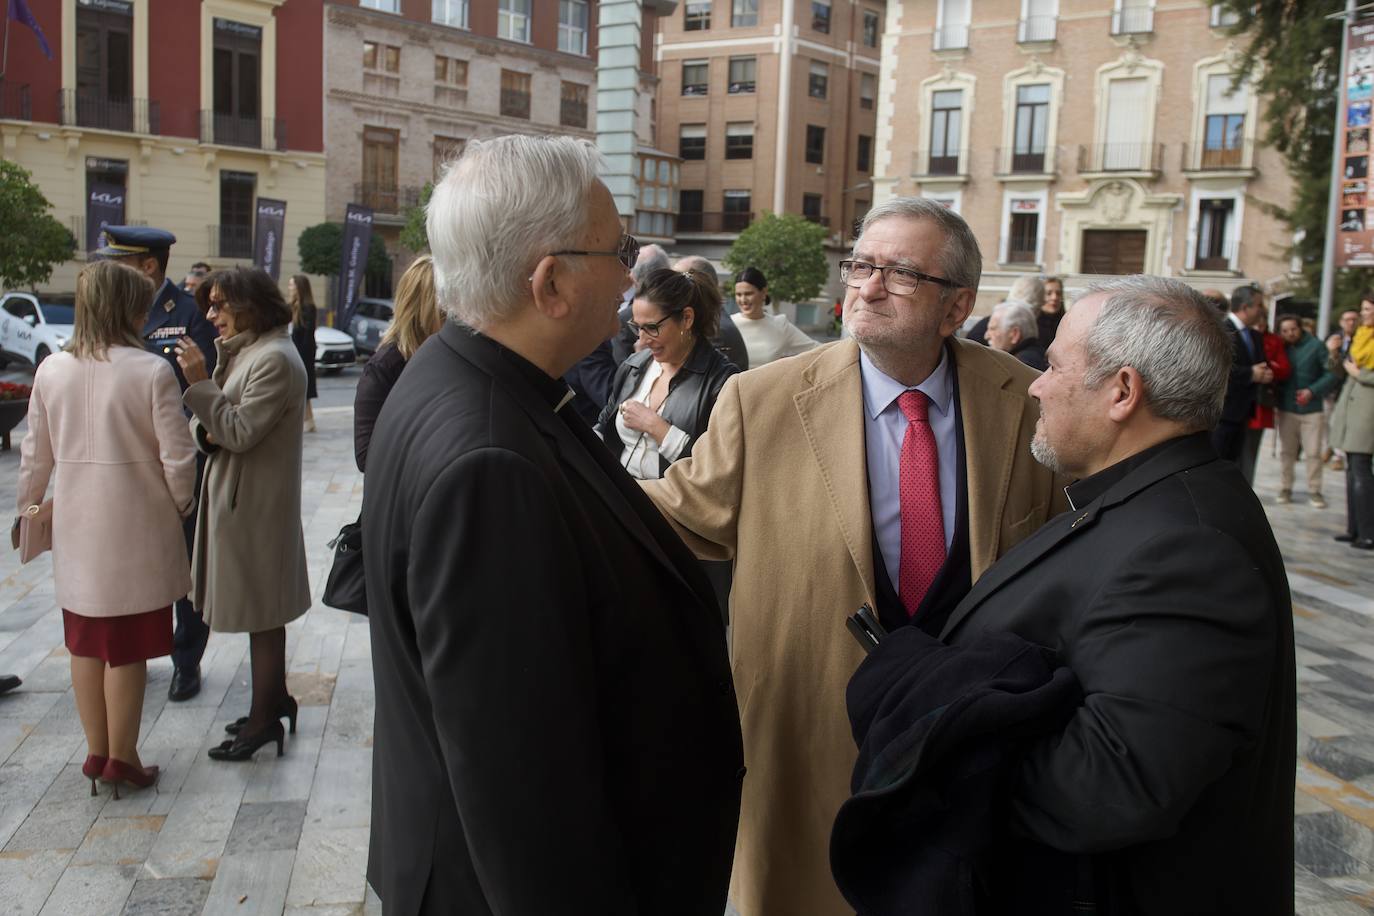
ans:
x=1037 y=28
x=233 y=130
x=1205 y=158
x=572 y=113
x=1121 y=157
x=1133 y=20
x=713 y=223
x=1011 y=161
x=946 y=163
x=1220 y=257
x=515 y=104
x=382 y=198
x=230 y=241
x=817 y=219
x=16 y=101
x=140 y=116
x=951 y=37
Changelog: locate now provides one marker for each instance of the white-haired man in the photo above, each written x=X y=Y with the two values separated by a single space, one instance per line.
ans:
x=1012 y=329
x=556 y=730
x=889 y=469
x=1165 y=594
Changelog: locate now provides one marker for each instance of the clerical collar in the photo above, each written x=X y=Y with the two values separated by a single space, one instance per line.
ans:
x=1084 y=491
x=552 y=391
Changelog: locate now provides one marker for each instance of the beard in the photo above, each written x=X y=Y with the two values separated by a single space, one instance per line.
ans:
x=1043 y=452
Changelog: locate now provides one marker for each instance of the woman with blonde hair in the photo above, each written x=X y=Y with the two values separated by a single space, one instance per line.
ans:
x=416 y=316
x=106 y=426
x=303 y=321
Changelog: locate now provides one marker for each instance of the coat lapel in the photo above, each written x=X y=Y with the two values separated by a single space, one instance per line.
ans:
x=833 y=418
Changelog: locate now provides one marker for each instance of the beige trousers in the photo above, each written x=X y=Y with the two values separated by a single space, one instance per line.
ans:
x=1304 y=428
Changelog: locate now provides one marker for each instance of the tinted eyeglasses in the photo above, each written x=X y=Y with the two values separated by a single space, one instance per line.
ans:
x=902 y=281
x=627 y=251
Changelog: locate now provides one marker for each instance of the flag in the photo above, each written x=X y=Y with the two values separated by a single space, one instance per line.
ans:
x=20 y=12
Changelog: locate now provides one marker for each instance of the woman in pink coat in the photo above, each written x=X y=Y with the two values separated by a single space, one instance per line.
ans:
x=106 y=426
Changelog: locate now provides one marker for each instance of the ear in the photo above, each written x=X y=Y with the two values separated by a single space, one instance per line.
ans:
x=547 y=282
x=1127 y=393
x=957 y=309
x=688 y=316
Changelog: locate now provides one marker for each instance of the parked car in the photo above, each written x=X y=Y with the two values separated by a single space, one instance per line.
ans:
x=369 y=323
x=34 y=327
x=333 y=350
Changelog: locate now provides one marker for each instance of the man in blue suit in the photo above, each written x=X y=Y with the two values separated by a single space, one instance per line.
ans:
x=173 y=315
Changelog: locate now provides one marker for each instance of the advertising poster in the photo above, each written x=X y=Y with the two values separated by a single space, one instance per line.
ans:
x=267 y=235
x=104 y=207
x=1355 y=222
x=357 y=237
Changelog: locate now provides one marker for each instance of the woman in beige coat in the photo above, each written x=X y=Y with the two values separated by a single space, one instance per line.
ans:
x=105 y=424
x=249 y=567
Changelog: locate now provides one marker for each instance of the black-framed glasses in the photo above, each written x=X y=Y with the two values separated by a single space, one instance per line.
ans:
x=627 y=251
x=900 y=280
x=652 y=327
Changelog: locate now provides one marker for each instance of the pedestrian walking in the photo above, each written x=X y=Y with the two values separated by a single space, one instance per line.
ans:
x=107 y=428
x=303 y=323
x=1300 y=418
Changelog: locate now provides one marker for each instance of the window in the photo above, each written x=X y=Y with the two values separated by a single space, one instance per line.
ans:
x=236 y=214
x=1032 y=123
x=737 y=213
x=1024 y=235
x=385 y=58
x=1223 y=18
x=952 y=30
x=819 y=80
x=450 y=12
x=696 y=16
x=820 y=16
x=515 y=94
x=572 y=110
x=867 y=89
x=386 y=6
x=694 y=77
x=1224 y=130
x=739 y=141
x=690 y=204
x=815 y=144
x=947 y=108
x=691 y=142
x=742 y=74
x=104 y=67
x=1039 y=21
x=811 y=207
x=450 y=81
x=863 y=159
x=871 y=21
x=1133 y=17
x=513 y=20
x=1213 y=234
x=1125 y=148
x=380 y=154
x=572 y=26
x=238 y=52
x=446 y=149
x=744 y=13
x=1114 y=251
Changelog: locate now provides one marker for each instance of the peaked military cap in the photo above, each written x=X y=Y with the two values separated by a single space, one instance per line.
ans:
x=119 y=241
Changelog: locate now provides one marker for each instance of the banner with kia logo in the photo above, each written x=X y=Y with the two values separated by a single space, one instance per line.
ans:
x=267 y=234
x=104 y=207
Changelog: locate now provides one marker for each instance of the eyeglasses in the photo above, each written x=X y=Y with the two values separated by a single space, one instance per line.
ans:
x=653 y=327
x=627 y=251
x=902 y=281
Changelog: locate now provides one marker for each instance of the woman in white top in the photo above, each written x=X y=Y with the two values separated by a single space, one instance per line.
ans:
x=766 y=337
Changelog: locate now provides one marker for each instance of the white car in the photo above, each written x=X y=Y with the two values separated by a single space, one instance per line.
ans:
x=34 y=327
x=333 y=350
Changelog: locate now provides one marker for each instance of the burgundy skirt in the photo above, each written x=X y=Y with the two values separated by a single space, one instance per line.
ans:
x=119 y=640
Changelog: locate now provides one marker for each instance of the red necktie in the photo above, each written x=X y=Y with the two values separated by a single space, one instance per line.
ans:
x=923 y=522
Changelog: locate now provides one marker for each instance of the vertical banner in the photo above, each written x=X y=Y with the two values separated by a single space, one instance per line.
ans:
x=104 y=207
x=1355 y=227
x=357 y=236
x=267 y=236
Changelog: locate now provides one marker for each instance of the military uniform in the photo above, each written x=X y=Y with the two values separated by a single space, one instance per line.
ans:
x=173 y=315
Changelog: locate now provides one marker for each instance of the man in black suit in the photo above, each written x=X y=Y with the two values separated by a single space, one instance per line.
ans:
x=1164 y=592
x=556 y=729
x=1248 y=369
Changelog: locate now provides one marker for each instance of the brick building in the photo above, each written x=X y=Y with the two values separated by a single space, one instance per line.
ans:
x=1083 y=138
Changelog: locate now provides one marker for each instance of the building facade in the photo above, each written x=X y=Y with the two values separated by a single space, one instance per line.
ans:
x=185 y=113
x=1083 y=138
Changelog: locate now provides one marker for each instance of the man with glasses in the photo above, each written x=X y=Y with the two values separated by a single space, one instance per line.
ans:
x=889 y=469
x=555 y=728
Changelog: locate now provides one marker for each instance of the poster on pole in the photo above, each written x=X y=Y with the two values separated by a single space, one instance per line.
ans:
x=357 y=236
x=267 y=236
x=1355 y=223
x=104 y=207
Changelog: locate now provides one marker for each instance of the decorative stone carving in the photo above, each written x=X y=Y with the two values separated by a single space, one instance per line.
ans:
x=1036 y=66
x=1116 y=200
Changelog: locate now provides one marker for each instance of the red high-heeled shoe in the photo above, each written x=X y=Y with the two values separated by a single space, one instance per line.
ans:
x=92 y=768
x=117 y=771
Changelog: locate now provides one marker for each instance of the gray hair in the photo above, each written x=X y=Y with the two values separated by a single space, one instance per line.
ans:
x=501 y=206
x=700 y=265
x=1169 y=333
x=961 y=262
x=1030 y=290
x=651 y=258
x=1014 y=313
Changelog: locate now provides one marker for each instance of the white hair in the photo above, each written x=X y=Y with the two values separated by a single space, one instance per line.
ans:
x=961 y=262
x=501 y=206
x=1030 y=290
x=651 y=258
x=1017 y=314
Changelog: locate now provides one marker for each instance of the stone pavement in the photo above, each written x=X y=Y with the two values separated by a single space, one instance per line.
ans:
x=290 y=834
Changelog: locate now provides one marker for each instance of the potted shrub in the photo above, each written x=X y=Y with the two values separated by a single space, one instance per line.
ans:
x=14 y=406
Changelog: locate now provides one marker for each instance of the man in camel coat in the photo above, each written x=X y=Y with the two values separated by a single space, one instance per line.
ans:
x=891 y=469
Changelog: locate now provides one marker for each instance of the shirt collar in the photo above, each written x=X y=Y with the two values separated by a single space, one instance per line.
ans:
x=552 y=391
x=1084 y=491
x=880 y=389
x=1240 y=325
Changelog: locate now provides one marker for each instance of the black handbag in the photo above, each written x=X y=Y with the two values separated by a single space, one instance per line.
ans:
x=345 y=589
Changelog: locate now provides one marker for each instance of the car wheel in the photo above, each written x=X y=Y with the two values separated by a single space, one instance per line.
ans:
x=41 y=354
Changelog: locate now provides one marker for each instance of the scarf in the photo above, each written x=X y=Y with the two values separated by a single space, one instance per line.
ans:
x=1362 y=347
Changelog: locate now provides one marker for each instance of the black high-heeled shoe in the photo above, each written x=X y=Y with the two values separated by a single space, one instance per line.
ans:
x=286 y=709
x=244 y=747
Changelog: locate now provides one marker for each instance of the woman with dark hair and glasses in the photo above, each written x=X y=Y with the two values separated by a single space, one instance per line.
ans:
x=662 y=396
x=248 y=573
x=766 y=337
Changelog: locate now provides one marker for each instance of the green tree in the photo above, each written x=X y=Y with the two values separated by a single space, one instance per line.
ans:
x=413 y=233
x=789 y=250
x=1292 y=57
x=32 y=241
x=321 y=246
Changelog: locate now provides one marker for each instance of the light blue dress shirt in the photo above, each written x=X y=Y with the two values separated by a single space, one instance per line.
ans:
x=884 y=428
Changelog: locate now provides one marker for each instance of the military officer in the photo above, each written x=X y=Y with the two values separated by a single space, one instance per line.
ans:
x=173 y=315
